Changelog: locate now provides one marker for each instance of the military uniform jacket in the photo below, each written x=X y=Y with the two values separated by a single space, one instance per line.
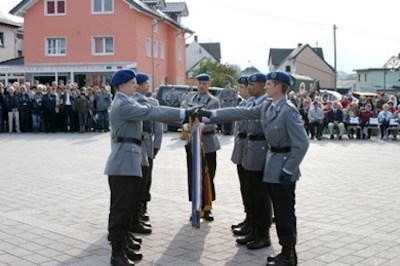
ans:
x=209 y=102
x=152 y=130
x=126 y=117
x=239 y=142
x=255 y=150
x=228 y=97
x=282 y=128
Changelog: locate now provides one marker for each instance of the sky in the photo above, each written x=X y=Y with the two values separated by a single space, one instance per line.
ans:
x=367 y=32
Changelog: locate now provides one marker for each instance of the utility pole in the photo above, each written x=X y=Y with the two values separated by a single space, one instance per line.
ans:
x=334 y=55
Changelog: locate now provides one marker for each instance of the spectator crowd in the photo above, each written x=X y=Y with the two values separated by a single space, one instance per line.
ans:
x=55 y=107
x=356 y=118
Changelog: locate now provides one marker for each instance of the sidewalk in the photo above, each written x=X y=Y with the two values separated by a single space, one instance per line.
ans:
x=55 y=199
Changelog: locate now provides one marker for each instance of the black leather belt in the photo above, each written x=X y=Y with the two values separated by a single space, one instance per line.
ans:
x=280 y=149
x=256 y=137
x=242 y=135
x=208 y=133
x=128 y=140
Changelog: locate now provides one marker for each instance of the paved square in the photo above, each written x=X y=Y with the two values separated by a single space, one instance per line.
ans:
x=54 y=202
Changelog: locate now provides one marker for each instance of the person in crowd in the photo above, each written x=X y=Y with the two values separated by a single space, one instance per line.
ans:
x=37 y=111
x=211 y=143
x=102 y=102
x=2 y=111
x=381 y=100
x=316 y=121
x=384 y=120
x=255 y=233
x=227 y=98
x=24 y=109
x=92 y=120
x=364 y=117
x=303 y=108
x=11 y=106
x=49 y=108
x=391 y=109
x=350 y=116
x=123 y=166
x=82 y=108
x=68 y=109
x=335 y=120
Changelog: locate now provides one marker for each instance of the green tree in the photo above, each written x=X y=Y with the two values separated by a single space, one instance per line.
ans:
x=218 y=72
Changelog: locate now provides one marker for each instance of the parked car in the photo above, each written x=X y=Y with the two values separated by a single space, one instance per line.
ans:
x=173 y=95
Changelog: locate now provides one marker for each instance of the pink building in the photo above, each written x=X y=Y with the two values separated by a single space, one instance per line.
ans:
x=85 y=41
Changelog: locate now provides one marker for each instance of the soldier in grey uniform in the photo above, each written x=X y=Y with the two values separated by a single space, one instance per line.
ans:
x=288 y=143
x=256 y=229
x=124 y=162
x=211 y=143
x=237 y=153
x=228 y=98
x=152 y=137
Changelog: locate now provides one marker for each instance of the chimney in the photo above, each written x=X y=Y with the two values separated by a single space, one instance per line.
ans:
x=195 y=38
x=299 y=44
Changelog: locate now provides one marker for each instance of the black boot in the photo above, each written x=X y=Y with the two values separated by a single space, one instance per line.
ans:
x=243 y=240
x=133 y=255
x=139 y=228
x=287 y=257
x=245 y=230
x=262 y=239
x=241 y=224
x=144 y=216
x=118 y=257
x=136 y=238
x=131 y=243
x=208 y=216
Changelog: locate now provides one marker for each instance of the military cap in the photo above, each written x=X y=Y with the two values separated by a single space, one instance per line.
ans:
x=141 y=78
x=203 y=77
x=122 y=76
x=257 y=77
x=242 y=80
x=280 y=76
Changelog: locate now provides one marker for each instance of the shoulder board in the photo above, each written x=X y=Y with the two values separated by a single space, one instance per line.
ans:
x=290 y=104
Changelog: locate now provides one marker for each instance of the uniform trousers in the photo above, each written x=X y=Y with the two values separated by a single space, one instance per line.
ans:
x=122 y=201
x=260 y=202
x=283 y=202
x=211 y=159
x=244 y=186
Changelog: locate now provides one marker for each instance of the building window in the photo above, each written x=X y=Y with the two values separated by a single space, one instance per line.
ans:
x=287 y=69
x=162 y=50
x=148 y=47
x=155 y=49
x=155 y=25
x=55 y=7
x=103 y=45
x=365 y=77
x=56 y=47
x=1 y=39
x=102 y=6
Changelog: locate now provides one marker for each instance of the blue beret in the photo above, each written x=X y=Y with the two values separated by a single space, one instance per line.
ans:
x=141 y=78
x=257 y=77
x=280 y=76
x=203 y=77
x=242 y=80
x=122 y=76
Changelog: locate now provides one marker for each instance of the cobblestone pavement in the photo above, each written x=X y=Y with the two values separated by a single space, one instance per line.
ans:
x=54 y=202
